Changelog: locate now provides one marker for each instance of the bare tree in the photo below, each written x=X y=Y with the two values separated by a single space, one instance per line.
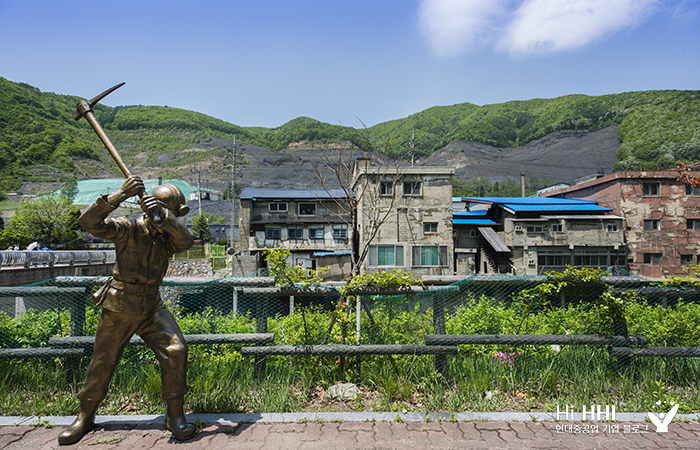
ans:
x=368 y=179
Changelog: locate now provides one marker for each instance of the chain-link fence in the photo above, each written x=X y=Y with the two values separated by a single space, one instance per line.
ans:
x=484 y=343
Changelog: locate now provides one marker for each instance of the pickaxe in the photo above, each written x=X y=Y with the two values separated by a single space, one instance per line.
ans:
x=84 y=109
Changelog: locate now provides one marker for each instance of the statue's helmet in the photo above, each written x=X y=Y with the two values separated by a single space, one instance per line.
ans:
x=169 y=196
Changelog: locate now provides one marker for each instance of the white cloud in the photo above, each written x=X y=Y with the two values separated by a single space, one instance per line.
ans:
x=457 y=26
x=523 y=27
x=547 y=26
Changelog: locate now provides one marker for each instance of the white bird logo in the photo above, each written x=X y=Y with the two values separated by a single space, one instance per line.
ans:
x=663 y=420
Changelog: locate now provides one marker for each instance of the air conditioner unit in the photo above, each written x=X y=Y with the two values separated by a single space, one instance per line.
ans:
x=518 y=229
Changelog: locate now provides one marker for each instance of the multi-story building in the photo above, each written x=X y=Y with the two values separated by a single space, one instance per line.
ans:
x=534 y=235
x=404 y=218
x=309 y=223
x=661 y=217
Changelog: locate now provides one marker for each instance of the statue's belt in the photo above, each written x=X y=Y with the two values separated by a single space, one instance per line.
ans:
x=131 y=288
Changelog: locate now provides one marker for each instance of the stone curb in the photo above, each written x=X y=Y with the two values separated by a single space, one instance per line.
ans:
x=327 y=417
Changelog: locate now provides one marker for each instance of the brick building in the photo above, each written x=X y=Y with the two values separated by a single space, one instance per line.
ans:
x=661 y=217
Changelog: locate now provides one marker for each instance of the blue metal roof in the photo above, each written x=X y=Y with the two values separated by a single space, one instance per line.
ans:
x=541 y=204
x=291 y=194
x=473 y=222
x=477 y=213
x=557 y=208
x=525 y=200
x=335 y=253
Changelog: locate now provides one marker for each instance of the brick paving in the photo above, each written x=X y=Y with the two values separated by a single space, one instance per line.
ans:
x=368 y=435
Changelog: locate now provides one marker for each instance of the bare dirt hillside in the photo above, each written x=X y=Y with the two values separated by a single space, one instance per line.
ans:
x=561 y=157
x=558 y=157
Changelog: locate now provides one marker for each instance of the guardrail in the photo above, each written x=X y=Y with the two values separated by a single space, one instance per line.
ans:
x=52 y=258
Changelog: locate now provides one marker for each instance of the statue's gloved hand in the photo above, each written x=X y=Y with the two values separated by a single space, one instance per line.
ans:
x=149 y=205
x=132 y=186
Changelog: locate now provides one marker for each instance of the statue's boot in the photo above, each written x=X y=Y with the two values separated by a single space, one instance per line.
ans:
x=175 y=420
x=82 y=424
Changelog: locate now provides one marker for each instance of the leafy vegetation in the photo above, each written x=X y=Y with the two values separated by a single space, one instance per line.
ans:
x=288 y=275
x=51 y=220
x=482 y=377
x=657 y=128
x=200 y=228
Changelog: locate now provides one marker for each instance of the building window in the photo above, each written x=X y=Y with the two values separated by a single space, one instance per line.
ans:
x=430 y=227
x=692 y=224
x=386 y=255
x=273 y=233
x=315 y=233
x=277 y=207
x=535 y=228
x=686 y=259
x=429 y=255
x=473 y=233
x=652 y=225
x=307 y=209
x=652 y=258
x=386 y=188
x=411 y=188
x=554 y=259
x=651 y=188
x=557 y=228
x=295 y=233
x=591 y=259
x=692 y=190
x=611 y=228
x=340 y=234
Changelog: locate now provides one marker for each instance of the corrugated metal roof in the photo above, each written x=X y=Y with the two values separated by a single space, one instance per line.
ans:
x=556 y=208
x=525 y=200
x=89 y=190
x=494 y=240
x=335 y=253
x=473 y=222
x=541 y=204
x=463 y=214
x=291 y=194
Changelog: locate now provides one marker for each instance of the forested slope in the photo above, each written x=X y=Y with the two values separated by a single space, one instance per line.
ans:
x=656 y=128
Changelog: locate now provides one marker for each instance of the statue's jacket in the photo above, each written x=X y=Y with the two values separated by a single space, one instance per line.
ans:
x=142 y=256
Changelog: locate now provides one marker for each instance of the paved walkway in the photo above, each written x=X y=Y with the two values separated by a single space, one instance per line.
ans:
x=404 y=432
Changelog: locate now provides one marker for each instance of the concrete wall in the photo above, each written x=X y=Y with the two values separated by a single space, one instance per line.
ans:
x=406 y=217
x=22 y=276
x=623 y=193
x=578 y=236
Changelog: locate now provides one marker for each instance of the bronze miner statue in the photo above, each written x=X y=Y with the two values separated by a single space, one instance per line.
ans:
x=131 y=300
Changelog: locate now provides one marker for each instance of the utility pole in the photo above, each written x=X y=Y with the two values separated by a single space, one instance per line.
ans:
x=234 y=193
x=199 y=187
x=233 y=190
x=412 y=142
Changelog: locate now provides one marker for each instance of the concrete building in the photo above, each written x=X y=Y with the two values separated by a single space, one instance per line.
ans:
x=206 y=194
x=534 y=235
x=404 y=218
x=307 y=222
x=661 y=218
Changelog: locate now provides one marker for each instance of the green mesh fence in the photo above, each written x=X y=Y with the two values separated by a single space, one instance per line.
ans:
x=486 y=343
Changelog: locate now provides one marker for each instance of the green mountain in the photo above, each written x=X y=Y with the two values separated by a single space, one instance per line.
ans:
x=656 y=128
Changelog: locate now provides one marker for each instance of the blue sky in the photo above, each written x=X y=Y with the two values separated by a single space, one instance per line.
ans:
x=266 y=62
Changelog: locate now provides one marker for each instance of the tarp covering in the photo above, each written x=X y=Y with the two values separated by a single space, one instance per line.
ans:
x=89 y=190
